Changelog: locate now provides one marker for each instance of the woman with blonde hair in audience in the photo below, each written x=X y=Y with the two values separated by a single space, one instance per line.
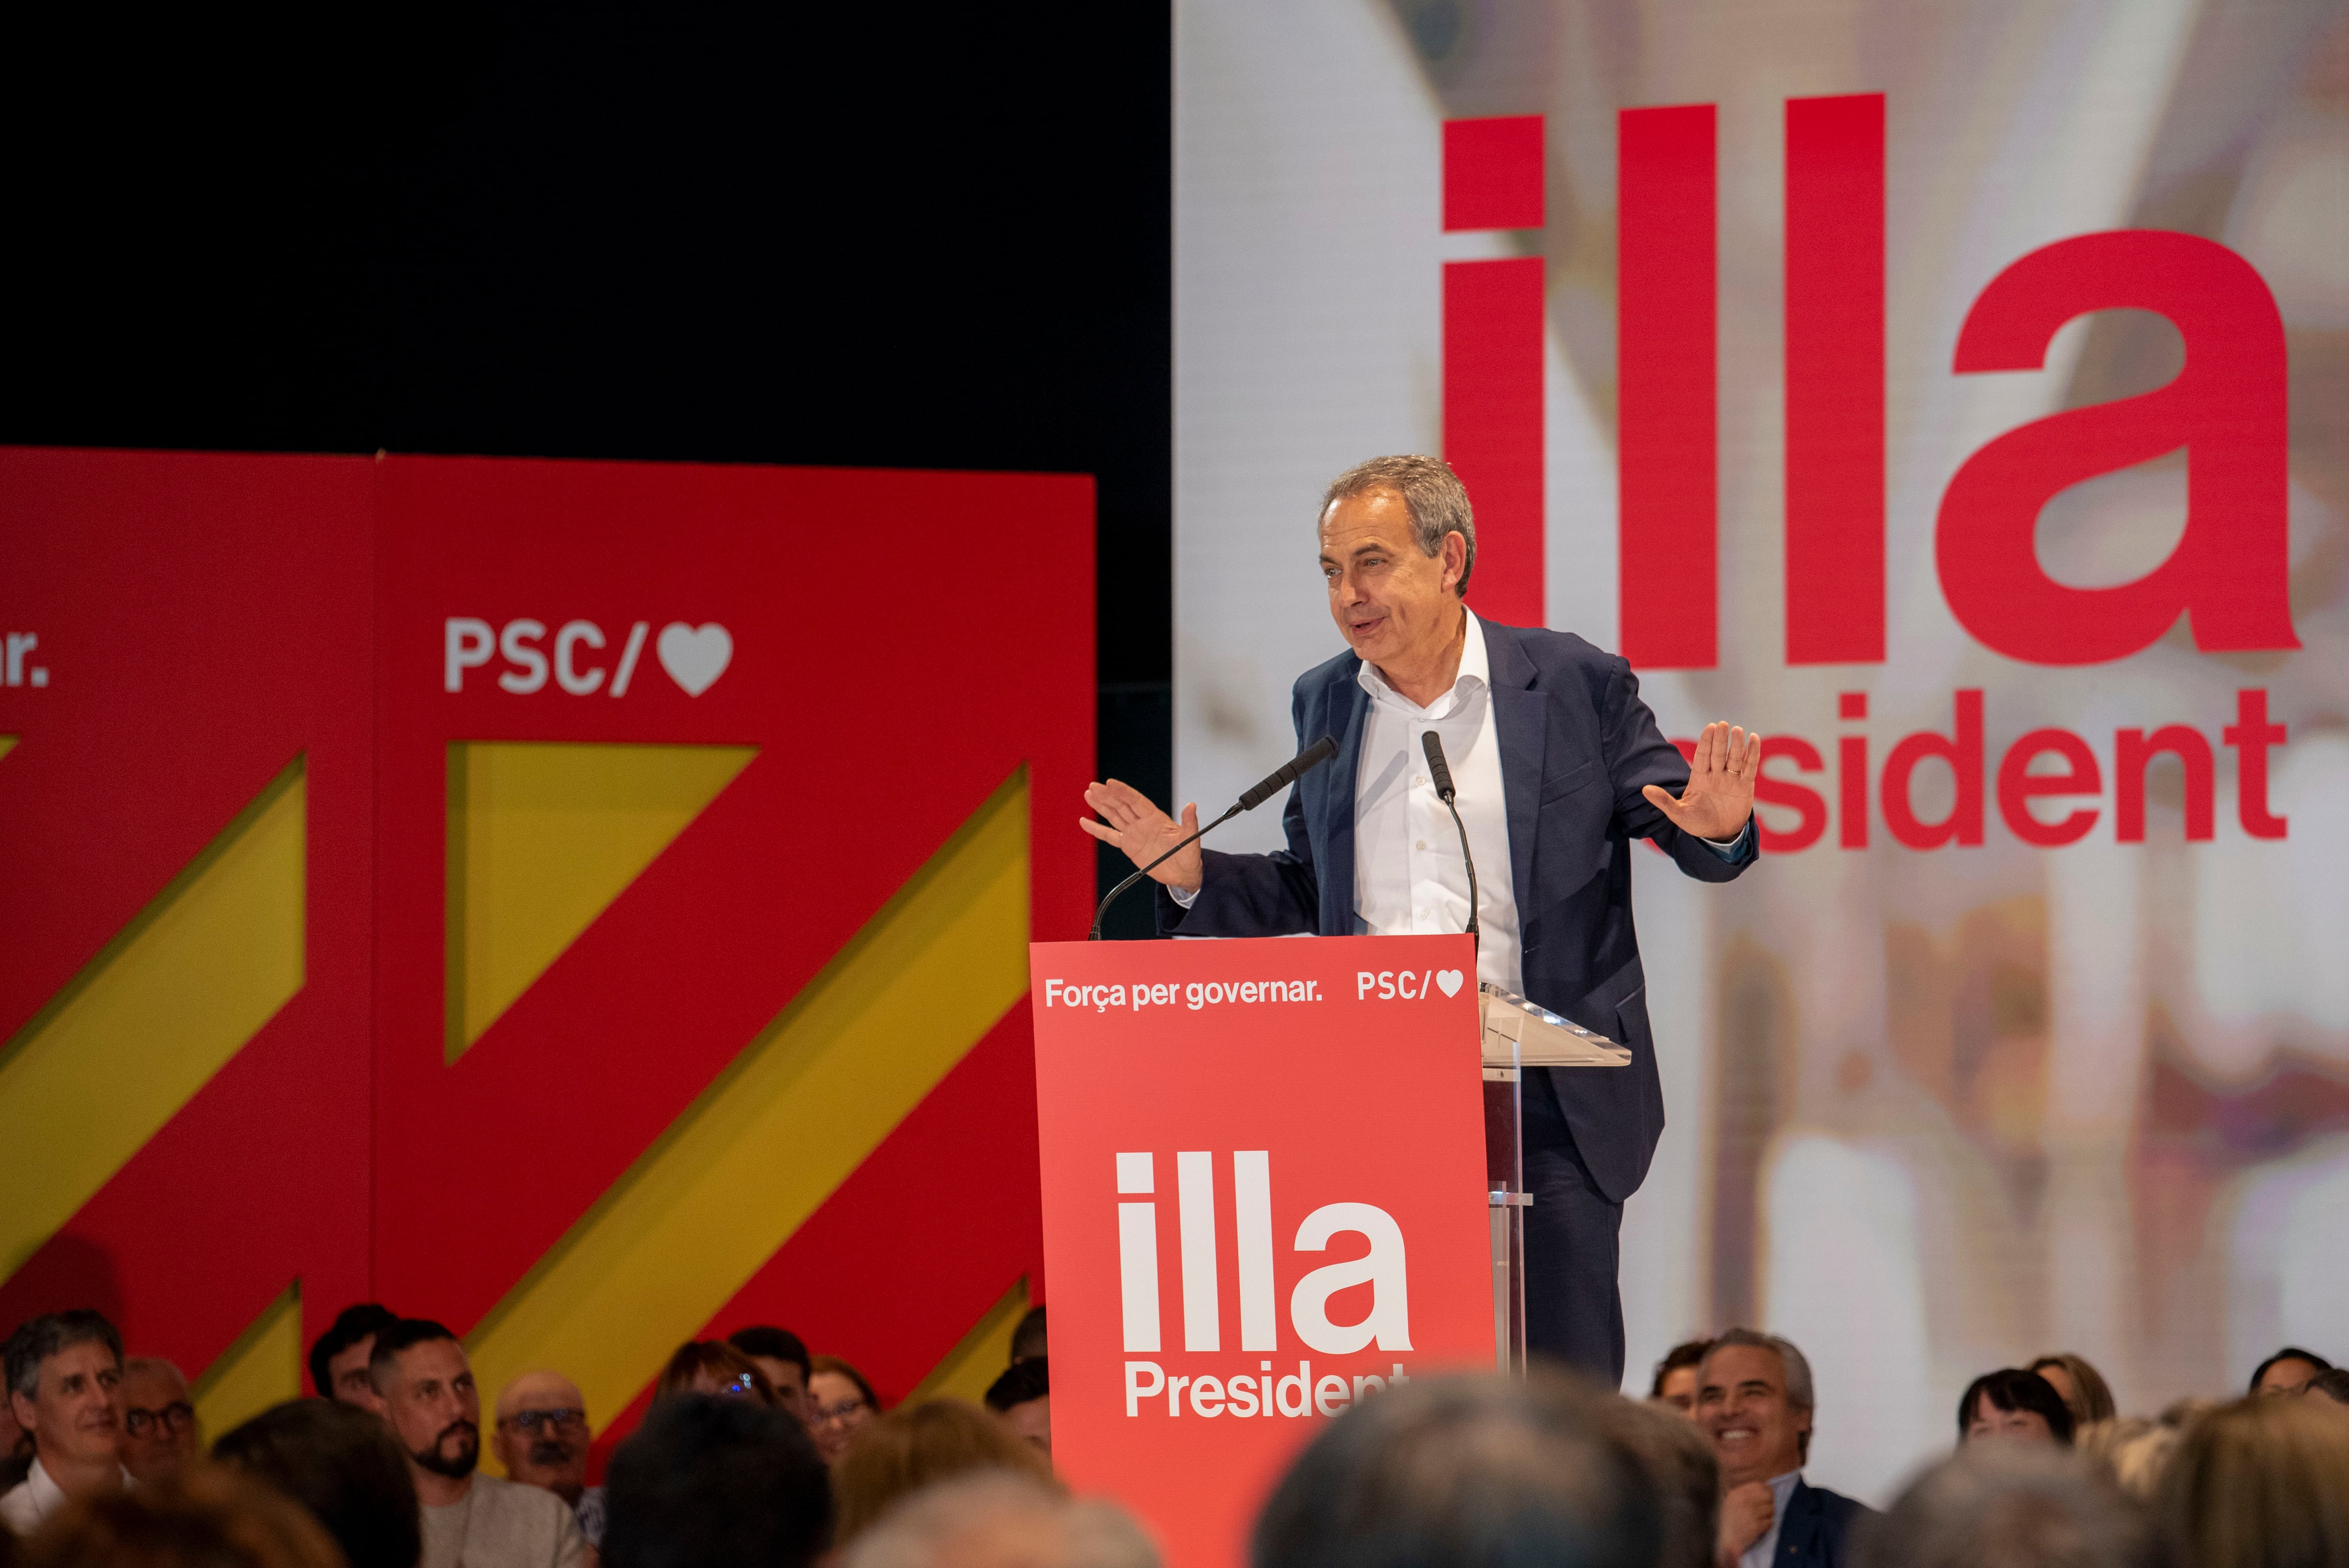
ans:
x=909 y=1449
x=713 y=1366
x=840 y=1403
x=2132 y=1450
x=2260 y=1483
x=2082 y=1388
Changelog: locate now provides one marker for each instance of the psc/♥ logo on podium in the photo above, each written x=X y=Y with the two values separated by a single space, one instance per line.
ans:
x=694 y=657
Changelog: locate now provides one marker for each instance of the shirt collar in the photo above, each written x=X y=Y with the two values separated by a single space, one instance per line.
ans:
x=1475 y=666
x=46 y=1490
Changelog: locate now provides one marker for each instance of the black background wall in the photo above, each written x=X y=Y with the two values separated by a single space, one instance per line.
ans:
x=915 y=237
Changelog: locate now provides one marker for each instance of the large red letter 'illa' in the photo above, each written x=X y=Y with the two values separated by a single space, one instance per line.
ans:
x=2225 y=407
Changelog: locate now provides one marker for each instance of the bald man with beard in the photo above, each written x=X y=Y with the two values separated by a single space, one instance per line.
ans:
x=542 y=1438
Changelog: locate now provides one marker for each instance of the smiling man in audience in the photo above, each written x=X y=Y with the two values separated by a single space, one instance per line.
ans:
x=64 y=1386
x=1753 y=1399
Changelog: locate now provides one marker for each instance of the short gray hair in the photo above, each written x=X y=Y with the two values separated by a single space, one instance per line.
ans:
x=1432 y=493
x=53 y=1334
x=1797 y=1370
x=955 y=1519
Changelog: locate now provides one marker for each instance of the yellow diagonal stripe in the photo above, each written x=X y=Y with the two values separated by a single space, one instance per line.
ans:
x=263 y=1367
x=797 y=1111
x=971 y=1367
x=147 y=1022
x=543 y=835
x=7 y=743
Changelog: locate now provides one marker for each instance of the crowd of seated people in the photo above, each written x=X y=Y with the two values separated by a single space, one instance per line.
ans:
x=753 y=1451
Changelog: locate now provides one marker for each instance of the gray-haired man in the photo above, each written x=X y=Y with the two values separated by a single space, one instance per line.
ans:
x=1557 y=766
x=65 y=1385
x=1753 y=1399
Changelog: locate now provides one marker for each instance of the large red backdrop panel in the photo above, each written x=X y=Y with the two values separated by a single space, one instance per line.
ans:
x=904 y=642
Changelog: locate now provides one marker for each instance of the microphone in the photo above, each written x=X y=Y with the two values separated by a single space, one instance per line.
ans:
x=1256 y=795
x=1432 y=743
x=1288 y=773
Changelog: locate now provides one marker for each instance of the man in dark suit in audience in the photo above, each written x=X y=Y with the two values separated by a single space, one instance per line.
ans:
x=1753 y=1399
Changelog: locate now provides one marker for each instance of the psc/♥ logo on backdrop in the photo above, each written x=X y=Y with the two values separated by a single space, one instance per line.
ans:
x=694 y=657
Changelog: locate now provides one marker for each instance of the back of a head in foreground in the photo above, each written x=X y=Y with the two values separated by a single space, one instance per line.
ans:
x=1684 y=1471
x=2013 y=1504
x=2331 y=1385
x=999 y=1519
x=706 y=1482
x=206 y=1518
x=1467 y=1470
x=915 y=1446
x=2260 y=1483
x=341 y=1463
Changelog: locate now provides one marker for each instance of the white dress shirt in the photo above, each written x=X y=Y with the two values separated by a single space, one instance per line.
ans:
x=1409 y=877
x=1759 y=1554
x=25 y=1505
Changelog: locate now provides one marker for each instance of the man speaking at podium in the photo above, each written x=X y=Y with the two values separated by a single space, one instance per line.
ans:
x=1559 y=766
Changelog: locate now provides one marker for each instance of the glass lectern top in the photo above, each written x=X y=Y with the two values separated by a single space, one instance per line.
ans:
x=1523 y=1032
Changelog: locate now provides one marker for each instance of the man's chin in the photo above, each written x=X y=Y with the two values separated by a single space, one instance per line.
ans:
x=456 y=1467
x=97 y=1448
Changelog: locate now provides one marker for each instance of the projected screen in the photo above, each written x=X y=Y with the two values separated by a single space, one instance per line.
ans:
x=1953 y=394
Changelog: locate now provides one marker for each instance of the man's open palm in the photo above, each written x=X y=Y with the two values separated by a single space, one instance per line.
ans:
x=1134 y=824
x=1720 y=793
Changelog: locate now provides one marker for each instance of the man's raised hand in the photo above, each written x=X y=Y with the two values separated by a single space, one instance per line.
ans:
x=1720 y=793
x=1746 y=1515
x=1145 y=832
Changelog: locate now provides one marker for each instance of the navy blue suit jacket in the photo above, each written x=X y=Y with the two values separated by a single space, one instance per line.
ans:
x=1577 y=747
x=1817 y=1531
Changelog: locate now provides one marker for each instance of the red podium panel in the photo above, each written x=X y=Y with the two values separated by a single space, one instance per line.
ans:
x=1264 y=1199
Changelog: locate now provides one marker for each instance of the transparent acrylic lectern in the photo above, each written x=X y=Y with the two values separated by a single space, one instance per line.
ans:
x=1518 y=1035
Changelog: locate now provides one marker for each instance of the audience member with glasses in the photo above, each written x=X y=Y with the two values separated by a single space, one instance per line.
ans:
x=158 y=1422
x=542 y=1438
x=840 y=1403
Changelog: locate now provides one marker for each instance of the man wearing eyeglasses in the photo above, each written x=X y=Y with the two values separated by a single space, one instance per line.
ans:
x=159 y=1421
x=542 y=1440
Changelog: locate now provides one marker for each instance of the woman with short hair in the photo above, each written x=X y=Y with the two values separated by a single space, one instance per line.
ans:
x=2014 y=1404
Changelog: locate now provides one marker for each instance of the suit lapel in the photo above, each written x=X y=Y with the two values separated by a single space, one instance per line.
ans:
x=1348 y=707
x=1520 y=726
x=1801 y=1523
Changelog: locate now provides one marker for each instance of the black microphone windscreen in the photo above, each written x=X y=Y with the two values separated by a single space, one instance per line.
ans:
x=1433 y=746
x=1288 y=773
